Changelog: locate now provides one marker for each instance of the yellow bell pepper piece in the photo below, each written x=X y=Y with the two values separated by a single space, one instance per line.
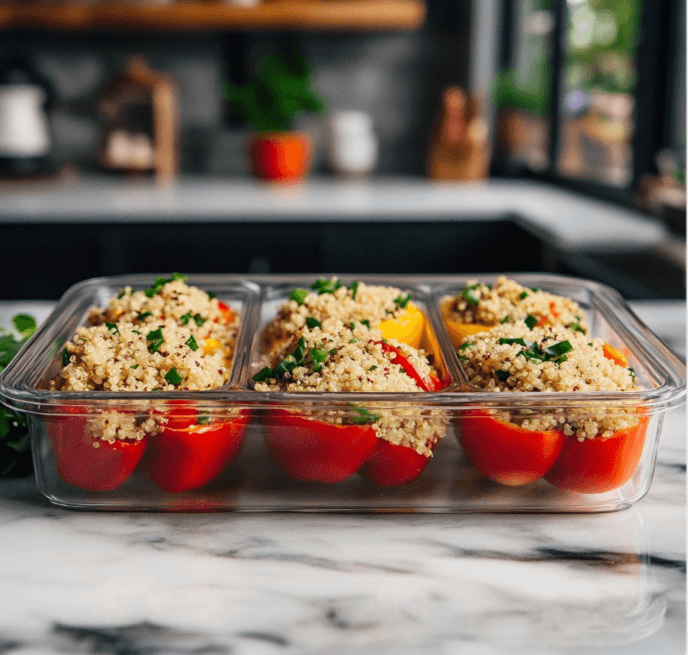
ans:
x=408 y=328
x=211 y=345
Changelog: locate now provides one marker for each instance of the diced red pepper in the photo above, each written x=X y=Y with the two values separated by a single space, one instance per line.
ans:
x=429 y=383
x=505 y=452
x=86 y=462
x=391 y=465
x=227 y=313
x=598 y=465
x=183 y=456
x=316 y=451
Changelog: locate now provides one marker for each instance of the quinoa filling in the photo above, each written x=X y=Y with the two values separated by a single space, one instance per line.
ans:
x=516 y=358
x=508 y=302
x=330 y=302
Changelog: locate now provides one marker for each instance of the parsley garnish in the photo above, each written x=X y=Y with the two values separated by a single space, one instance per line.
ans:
x=554 y=353
x=173 y=377
x=298 y=295
x=136 y=331
x=65 y=357
x=469 y=296
x=576 y=327
x=135 y=366
x=160 y=282
x=203 y=420
x=402 y=301
x=502 y=376
x=632 y=373
x=524 y=294
x=354 y=340
x=191 y=342
x=353 y=287
x=468 y=344
x=211 y=295
x=366 y=322
x=534 y=289
x=313 y=322
x=121 y=294
x=199 y=320
x=504 y=320
x=263 y=374
x=155 y=340
x=184 y=320
x=365 y=417
x=372 y=368
x=531 y=321
x=144 y=315
x=112 y=327
x=322 y=285
x=352 y=326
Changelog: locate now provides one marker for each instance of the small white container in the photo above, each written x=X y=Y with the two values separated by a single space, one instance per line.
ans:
x=352 y=147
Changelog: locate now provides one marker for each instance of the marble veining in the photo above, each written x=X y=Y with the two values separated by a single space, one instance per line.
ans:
x=264 y=584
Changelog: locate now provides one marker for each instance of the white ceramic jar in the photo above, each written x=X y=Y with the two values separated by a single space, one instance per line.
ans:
x=352 y=146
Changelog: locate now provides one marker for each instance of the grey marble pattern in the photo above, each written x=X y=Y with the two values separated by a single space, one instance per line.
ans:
x=254 y=584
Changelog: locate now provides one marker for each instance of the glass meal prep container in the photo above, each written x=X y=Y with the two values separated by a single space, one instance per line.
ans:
x=235 y=448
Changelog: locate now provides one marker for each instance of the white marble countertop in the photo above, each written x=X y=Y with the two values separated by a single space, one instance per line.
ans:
x=564 y=219
x=254 y=584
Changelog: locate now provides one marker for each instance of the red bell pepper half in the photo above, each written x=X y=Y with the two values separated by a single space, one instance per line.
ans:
x=316 y=451
x=391 y=465
x=184 y=455
x=507 y=453
x=598 y=465
x=86 y=462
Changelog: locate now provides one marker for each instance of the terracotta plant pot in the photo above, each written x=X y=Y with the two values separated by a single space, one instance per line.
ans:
x=279 y=156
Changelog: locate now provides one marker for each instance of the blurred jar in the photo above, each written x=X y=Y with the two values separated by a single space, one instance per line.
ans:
x=352 y=146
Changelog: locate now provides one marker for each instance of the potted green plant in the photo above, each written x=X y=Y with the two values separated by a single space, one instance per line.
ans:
x=279 y=92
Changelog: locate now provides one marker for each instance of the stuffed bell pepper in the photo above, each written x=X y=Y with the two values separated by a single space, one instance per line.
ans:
x=482 y=306
x=586 y=446
x=329 y=301
x=318 y=443
x=170 y=338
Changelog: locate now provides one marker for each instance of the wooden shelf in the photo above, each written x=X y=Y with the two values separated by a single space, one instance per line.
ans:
x=331 y=15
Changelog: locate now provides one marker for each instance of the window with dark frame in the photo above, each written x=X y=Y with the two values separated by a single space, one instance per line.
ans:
x=585 y=94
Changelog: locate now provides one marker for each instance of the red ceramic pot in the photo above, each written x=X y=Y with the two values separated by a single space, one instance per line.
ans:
x=279 y=156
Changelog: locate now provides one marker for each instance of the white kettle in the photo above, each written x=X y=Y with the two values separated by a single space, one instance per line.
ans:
x=25 y=140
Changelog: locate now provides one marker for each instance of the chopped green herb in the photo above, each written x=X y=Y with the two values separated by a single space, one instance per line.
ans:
x=590 y=343
x=155 y=340
x=531 y=321
x=502 y=376
x=632 y=373
x=576 y=327
x=470 y=296
x=504 y=320
x=313 y=322
x=199 y=320
x=518 y=341
x=323 y=285
x=352 y=326
x=160 y=282
x=112 y=327
x=144 y=315
x=203 y=420
x=524 y=294
x=263 y=374
x=468 y=344
x=372 y=368
x=557 y=349
x=366 y=322
x=65 y=357
x=319 y=356
x=333 y=351
x=298 y=295
x=135 y=366
x=191 y=342
x=211 y=295
x=353 y=287
x=365 y=417
x=402 y=301
x=121 y=293
x=534 y=289
x=25 y=325
x=353 y=340
x=184 y=320
x=136 y=331
x=173 y=377
x=463 y=358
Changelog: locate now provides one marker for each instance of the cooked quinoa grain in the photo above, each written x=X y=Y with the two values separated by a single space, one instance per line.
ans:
x=358 y=303
x=509 y=302
x=515 y=358
x=346 y=360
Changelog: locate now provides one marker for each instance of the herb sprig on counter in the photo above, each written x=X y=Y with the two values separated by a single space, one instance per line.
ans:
x=15 y=455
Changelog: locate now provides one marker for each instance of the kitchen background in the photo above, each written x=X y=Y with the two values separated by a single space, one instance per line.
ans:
x=586 y=96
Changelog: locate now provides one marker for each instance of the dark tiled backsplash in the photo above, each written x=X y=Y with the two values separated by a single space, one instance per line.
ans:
x=395 y=77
